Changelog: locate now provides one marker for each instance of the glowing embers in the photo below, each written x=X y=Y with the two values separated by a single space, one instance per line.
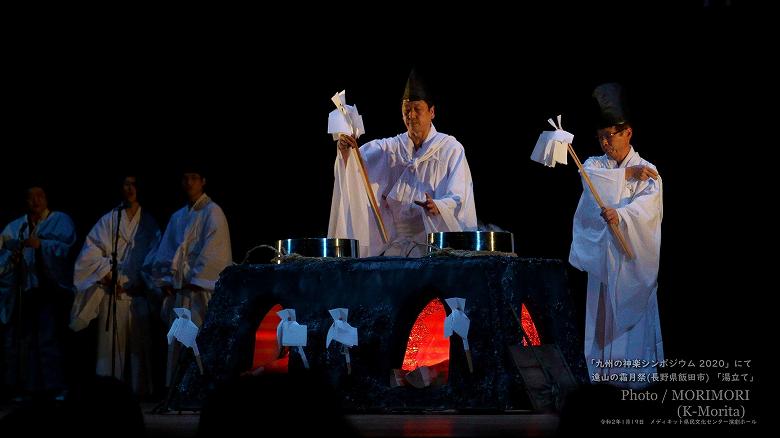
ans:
x=529 y=327
x=427 y=356
x=267 y=352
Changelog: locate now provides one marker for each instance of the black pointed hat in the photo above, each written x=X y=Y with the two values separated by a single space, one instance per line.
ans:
x=416 y=90
x=612 y=109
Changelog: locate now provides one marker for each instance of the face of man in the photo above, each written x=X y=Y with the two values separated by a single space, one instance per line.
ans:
x=615 y=141
x=129 y=190
x=192 y=184
x=417 y=118
x=36 y=201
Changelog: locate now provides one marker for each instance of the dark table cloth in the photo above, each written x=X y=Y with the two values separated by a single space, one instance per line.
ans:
x=384 y=296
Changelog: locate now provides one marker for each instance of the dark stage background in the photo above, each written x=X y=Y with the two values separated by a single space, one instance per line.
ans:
x=253 y=103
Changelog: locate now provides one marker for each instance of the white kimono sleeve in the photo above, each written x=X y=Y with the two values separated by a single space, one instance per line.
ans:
x=590 y=235
x=640 y=223
x=158 y=262
x=454 y=199
x=215 y=251
x=92 y=264
x=57 y=235
x=94 y=261
x=351 y=215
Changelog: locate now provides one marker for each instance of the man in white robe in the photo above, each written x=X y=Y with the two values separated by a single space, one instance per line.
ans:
x=622 y=322
x=193 y=251
x=35 y=295
x=138 y=235
x=421 y=181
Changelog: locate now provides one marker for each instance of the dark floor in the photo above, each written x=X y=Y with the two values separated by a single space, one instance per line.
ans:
x=394 y=425
x=455 y=425
x=185 y=424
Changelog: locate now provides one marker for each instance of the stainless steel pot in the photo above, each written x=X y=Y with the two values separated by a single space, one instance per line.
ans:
x=319 y=247
x=500 y=241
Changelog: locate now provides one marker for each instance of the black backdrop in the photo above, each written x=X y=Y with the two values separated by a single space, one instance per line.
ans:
x=252 y=101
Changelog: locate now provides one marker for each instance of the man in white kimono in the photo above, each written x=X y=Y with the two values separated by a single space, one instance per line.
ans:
x=136 y=235
x=36 y=278
x=193 y=251
x=622 y=320
x=421 y=180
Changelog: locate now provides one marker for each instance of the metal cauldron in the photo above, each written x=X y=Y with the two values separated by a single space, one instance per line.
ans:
x=319 y=247
x=499 y=241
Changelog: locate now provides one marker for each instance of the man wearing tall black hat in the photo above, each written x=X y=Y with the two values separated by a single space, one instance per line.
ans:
x=193 y=251
x=622 y=308
x=420 y=178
